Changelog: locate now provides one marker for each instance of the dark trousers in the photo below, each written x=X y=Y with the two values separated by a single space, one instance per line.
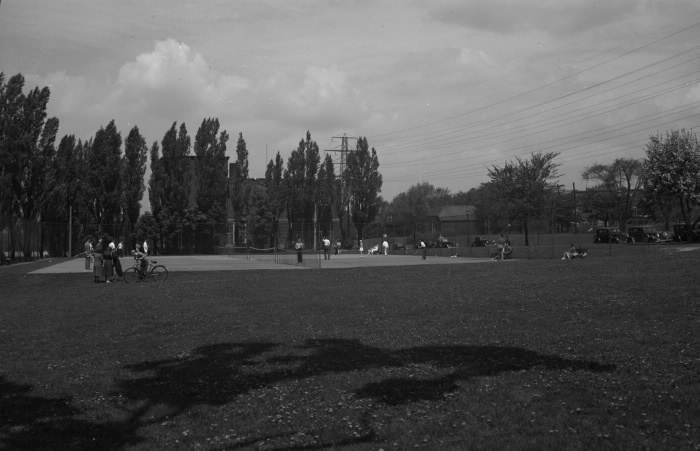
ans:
x=299 y=257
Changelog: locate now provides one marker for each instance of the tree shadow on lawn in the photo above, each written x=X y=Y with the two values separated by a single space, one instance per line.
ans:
x=217 y=374
x=35 y=422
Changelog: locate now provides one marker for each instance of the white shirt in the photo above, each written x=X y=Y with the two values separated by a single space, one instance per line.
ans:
x=145 y=247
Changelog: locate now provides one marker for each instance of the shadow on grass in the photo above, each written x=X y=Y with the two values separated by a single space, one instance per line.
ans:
x=34 y=422
x=467 y=362
x=217 y=374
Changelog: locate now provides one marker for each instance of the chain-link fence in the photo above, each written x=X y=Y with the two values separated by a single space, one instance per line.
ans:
x=546 y=238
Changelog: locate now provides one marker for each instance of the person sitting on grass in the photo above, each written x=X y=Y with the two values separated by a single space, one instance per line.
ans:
x=571 y=253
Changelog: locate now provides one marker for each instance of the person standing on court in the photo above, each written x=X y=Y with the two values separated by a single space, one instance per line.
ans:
x=385 y=247
x=425 y=249
x=362 y=249
x=88 y=254
x=501 y=247
x=299 y=246
x=326 y=248
x=107 y=261
x=97 y=268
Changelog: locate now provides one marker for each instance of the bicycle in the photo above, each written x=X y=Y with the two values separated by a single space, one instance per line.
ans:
x=154 y=272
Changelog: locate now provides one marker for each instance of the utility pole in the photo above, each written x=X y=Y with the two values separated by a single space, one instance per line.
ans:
x=344 y=149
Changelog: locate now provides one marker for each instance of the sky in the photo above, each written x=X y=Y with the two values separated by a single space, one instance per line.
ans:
x=443 y=90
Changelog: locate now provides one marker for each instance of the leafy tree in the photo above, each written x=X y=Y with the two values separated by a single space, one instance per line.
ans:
x=171 y=185
x=26 y=150
x=259 y=219
x=240 y=193
x=417 y=203
x=672 y=171
x=524 y=187
x=364 y=183
x=147 y=227
x=134 y=171
x=156 y=191
x=300 y=180
x=156 y=181
x=618 y=184
x=210 y=150
x=274 y=190
x=105 y=169
x=25 y=138
x=69 y=187
x=326 y=188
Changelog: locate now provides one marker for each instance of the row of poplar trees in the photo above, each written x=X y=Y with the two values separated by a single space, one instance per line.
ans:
x=93 y=184
x=310 y=193
x=98 y=188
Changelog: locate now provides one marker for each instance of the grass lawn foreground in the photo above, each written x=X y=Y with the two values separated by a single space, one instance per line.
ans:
x=601 y=353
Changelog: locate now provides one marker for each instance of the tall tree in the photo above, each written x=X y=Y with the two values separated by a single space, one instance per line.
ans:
x=301 y=187
x=170 y=185
x=156 y=182
x=274 y=190
x=417 y=203
x=26 y=142
x=134 y=167
x=365 y=184
x=210 y=149
x=672 y=170
x=240 y=192
x=326 y=187
x=618 y=185
x=105 y=169
x=26 y=150
x=524 y=187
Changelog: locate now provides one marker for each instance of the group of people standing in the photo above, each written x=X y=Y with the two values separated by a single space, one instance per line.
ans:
x=103 y=258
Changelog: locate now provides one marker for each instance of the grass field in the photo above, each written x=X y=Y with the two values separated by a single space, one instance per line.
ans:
x=602 y=353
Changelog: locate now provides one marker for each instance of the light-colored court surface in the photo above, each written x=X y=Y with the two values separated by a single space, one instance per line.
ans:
x=177 y=263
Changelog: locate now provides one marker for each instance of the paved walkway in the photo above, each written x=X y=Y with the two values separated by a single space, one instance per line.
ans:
x=177 y=263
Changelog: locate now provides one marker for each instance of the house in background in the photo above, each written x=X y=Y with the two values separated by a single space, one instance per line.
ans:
x=454 y=220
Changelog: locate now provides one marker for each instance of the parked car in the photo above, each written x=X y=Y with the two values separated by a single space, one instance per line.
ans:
x=680 y=233
x=643 y=234
x=478 y=242
x=607 y=235
x=398 y=246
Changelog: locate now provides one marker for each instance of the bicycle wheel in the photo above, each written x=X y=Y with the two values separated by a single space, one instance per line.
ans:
x=131 y=275
x=159 y=273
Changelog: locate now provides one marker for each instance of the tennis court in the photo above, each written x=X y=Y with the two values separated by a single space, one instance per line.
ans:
x=242 y=262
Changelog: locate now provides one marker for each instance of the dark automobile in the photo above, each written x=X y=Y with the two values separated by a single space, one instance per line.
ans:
x=478 y=242
x=607 y=235
x=680 y=233
x=643 y=234
x=398 y=246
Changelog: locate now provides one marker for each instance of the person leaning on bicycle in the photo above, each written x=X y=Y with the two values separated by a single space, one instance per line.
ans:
x=140 y=256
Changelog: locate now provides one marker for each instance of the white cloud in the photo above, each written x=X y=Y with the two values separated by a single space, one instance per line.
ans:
x=171 y=80
x=324 y=98
x=471 y=57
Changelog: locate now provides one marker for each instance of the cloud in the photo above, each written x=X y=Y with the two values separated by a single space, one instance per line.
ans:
x=557 y=17
x=324 y=97
x=175 y=81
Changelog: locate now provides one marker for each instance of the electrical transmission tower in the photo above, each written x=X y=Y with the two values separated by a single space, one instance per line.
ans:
x=344 y=149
